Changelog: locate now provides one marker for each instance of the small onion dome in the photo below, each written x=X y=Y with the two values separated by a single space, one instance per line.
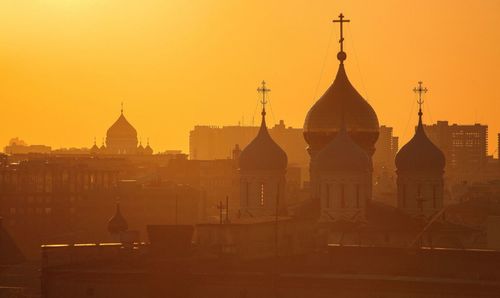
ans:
x=342 y=154
x=102 y=149
x=121 y=129
x=117 y=223
x=94 y=150
x=323 y=117
x=148 y=150
x=420 y=154
x=263 y=153
x=140 y=149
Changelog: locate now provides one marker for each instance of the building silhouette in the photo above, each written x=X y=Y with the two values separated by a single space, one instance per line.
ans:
x=464 y=146
x=337 y=240
x=386 y=147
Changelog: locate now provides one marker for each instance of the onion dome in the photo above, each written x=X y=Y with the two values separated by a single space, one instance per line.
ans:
x=359 y=115
x=121 y=129
x=263 y=153
x=94 y=150
x=420 y=154
x=102 y=149
x=140 y=149
x=342 y=154
x=322 y=121
x=117 y=223
x=148 y=150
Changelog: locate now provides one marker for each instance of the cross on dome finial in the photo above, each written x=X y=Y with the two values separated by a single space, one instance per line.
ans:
x=341 y=55
x=263 y=101
x=420 y=90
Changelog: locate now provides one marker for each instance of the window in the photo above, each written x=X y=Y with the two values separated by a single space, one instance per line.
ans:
x=246 y=191
x=328 y=196
x=342 y=195
x=262 y=194
x=357 y=195
x=403 y=195
x=434 y=203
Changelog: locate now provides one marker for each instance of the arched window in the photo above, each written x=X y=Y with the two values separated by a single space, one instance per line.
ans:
x=327 y=195
x=262 y=194
x=357 y=195
x=403 y=195
x=342 y=195
x=246 y=193
x=434 y=203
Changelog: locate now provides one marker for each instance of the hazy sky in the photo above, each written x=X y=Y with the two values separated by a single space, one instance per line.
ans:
x=65 y=65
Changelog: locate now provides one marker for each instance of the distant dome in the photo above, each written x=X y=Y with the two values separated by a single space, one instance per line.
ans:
x=95 y=149
x=140 y=149
x=420 y=154
x=148 y=150
x=342 y=154
x=121 y=129
x=263 y=153
x=117 y=223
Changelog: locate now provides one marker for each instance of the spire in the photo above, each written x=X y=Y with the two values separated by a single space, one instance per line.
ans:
x=122 y=109
x=117 y=224
x=95 y=143
x=263 y=101
x=420 y=91
x=341 y=55
x=263 y=153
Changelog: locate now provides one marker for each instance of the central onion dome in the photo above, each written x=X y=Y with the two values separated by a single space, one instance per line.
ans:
x=420 y=154
x=121 y=129
x=323 y=119
x=263 y=153
x=342 y=154
x=121 y=137
x=323 y=123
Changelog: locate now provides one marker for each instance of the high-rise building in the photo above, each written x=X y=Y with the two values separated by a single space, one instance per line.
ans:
x=386 y=148
x=213 y=142
x=464 y=146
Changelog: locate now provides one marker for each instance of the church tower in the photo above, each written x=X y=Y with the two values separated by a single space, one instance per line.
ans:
x=420 y=168
x=343 y=173
x=323 y=121
x=262 y=166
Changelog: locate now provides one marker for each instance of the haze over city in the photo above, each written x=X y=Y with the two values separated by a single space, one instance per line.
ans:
x=67 y=65
x=249 y=149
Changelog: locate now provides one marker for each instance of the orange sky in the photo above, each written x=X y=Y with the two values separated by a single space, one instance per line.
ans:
x=65 y=65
